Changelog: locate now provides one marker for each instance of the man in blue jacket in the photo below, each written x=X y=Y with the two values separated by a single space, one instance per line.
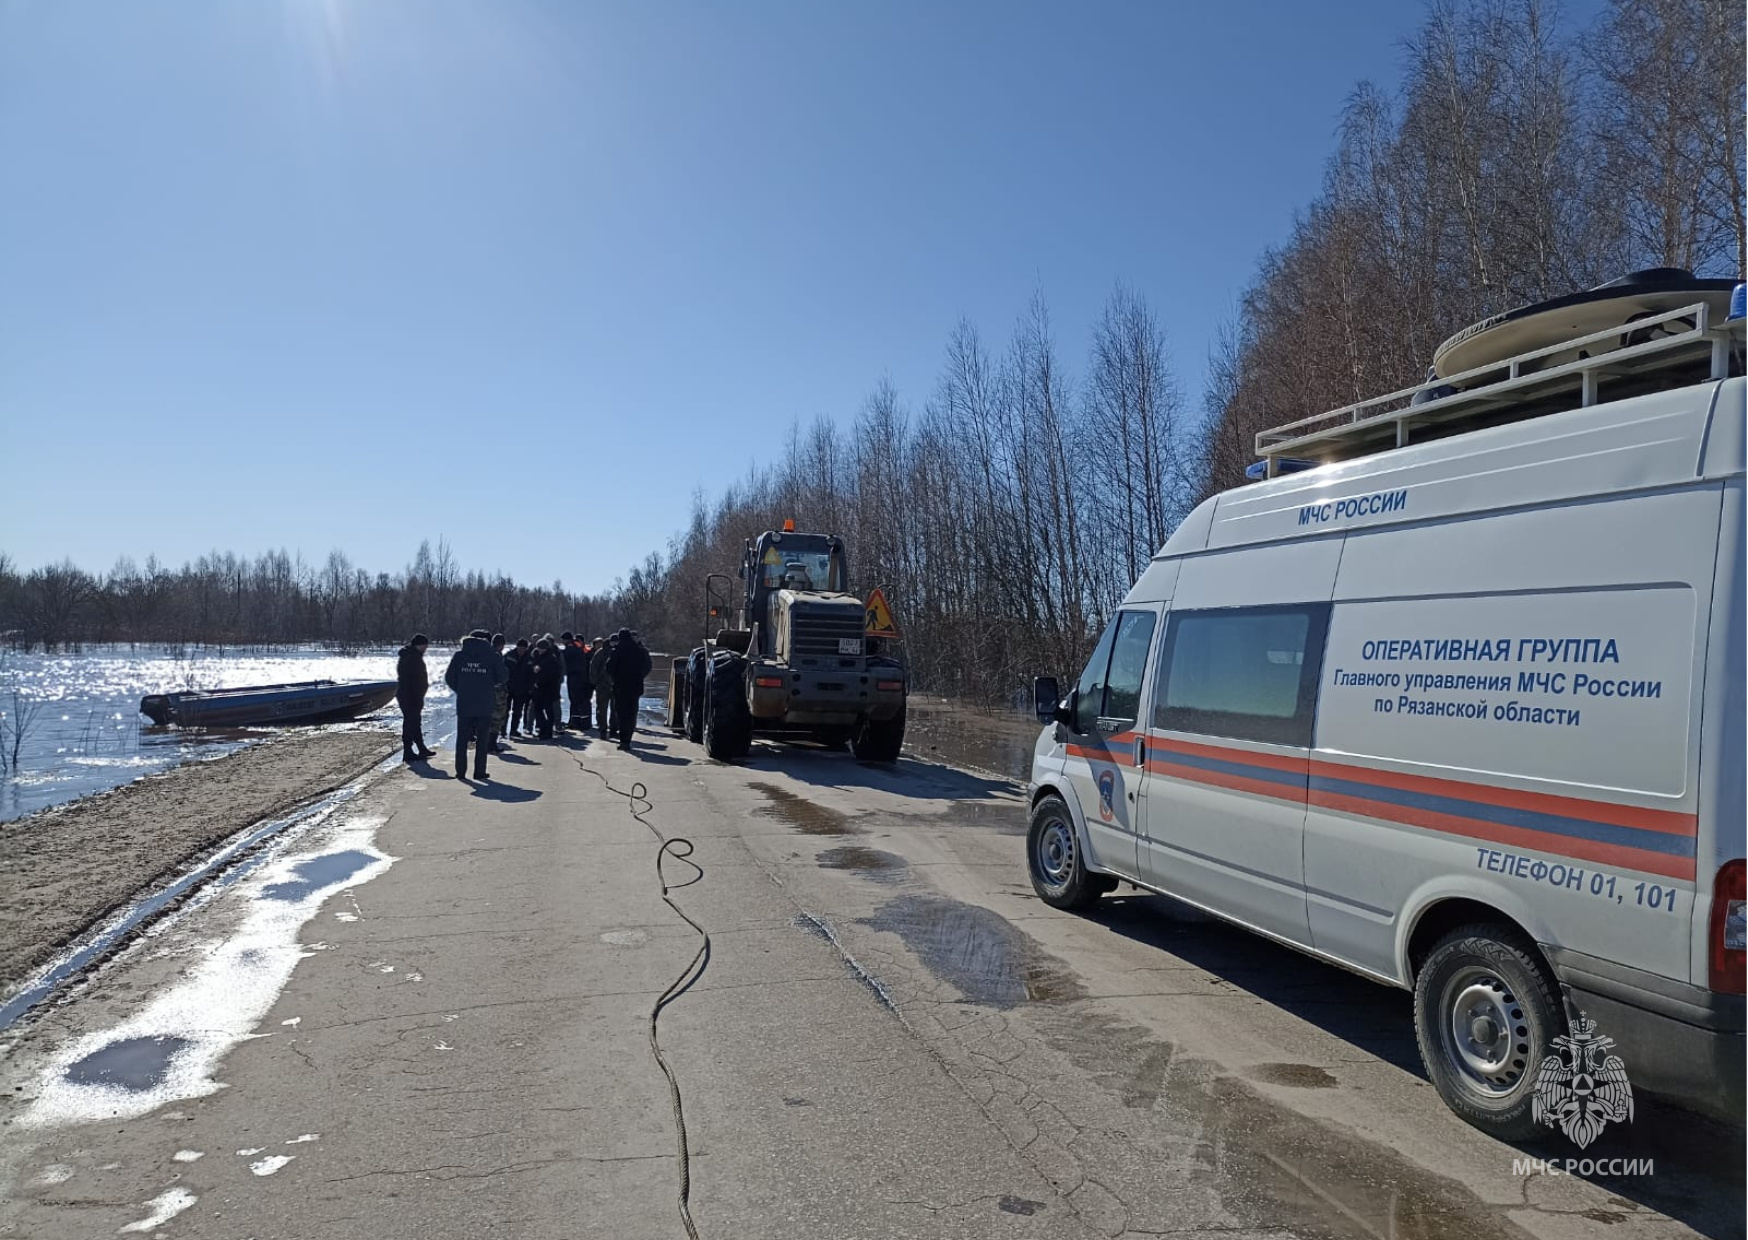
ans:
x=475 y=673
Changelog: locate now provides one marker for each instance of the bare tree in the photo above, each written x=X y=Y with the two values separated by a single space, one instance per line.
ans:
x=1670 y=130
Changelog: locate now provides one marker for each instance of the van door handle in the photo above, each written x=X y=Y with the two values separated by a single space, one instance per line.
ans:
x=1141 y=752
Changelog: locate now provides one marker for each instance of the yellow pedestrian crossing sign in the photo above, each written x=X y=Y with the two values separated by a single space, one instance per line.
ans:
x=879 y=616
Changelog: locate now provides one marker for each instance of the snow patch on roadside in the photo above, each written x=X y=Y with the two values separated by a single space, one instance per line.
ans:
x=220 y=1001
x=164 y=1207
x=267 y=1166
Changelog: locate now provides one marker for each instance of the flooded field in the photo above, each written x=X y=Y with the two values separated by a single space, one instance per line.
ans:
x=87 y=735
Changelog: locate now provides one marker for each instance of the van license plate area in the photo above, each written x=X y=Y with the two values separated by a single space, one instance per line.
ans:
x=849 y=645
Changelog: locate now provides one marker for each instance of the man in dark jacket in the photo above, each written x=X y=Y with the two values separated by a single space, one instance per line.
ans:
x=411 y=681
x=500 y=704
x=475 y=673
x=628 y=664
x=520 y=688
x=577 y=681
x=548 y=680
x=603 y=683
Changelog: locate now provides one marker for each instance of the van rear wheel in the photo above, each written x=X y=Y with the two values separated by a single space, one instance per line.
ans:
x=1056 y=860
x=1485 y=1014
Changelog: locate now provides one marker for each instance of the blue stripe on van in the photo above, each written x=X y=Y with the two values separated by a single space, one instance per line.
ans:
x=1290 y=779
x=1505 y=816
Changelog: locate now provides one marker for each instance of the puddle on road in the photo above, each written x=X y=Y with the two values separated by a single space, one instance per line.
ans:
x=804 y=815
x=882 y=867
x=1297 y=1075
x=1274 y=1168
x=977 y=951
x=132 y=1063
x=319 y=872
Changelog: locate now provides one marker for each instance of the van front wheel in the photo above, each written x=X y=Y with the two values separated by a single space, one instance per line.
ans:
x=1056 y=860
x=1485 y=1014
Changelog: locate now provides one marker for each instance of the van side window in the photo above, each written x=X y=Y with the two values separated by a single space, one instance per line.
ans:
x=1110 y=688
x=1249 y=673
x=1128 y=667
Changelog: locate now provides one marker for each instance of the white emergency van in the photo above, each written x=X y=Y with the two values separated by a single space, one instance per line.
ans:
x=1459 y=706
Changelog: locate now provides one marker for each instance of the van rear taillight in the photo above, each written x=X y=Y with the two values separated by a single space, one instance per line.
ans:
x=1729 y=928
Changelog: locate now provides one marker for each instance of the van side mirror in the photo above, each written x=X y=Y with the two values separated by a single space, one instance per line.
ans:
x=1047 y=703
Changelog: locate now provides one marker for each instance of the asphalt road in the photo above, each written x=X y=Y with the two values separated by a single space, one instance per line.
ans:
x=426 y=1014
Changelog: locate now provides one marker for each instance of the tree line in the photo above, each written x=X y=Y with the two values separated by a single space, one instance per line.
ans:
x=1007 y=511
x=276 y=599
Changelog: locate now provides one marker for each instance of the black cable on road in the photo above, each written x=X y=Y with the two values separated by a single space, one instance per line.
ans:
x=680 y=849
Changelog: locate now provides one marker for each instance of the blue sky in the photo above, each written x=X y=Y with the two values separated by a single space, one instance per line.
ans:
x=319 y=273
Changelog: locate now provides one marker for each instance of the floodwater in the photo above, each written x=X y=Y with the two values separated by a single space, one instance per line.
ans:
x=942 y=731
x=88 y=735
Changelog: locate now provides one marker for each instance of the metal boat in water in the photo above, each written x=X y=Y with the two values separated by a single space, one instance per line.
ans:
x=310 y=701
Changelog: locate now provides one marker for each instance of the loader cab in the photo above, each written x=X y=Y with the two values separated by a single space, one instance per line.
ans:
x=787 y=560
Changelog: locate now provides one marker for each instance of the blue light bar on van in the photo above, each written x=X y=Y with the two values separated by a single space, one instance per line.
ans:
x=1287 y=465
x=1738 y=302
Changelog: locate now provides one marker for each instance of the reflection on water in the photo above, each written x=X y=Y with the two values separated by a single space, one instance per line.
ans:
x=132 y=1063
x=319 y=872
x=88 y=734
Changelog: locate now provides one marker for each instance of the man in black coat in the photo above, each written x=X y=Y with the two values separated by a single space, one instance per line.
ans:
x=576 y=679
x=628 y=664
x=521 y=688
x=475 y=673
x=411 y=681
x=548 y=681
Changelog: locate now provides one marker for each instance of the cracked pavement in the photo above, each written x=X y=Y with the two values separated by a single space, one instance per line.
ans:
x=891 y=1039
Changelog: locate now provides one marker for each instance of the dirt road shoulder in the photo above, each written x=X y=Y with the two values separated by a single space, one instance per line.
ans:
x=63 y=869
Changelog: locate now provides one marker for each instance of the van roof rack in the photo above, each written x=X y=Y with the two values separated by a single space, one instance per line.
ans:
x=1515 y=389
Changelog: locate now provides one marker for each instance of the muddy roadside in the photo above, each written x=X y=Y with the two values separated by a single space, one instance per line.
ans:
x=63 y=869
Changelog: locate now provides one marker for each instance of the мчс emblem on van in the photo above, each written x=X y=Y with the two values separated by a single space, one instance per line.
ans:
x=1107 y=795
x=1578 y=1088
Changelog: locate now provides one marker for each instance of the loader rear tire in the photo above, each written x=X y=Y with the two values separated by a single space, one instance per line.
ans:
x=728 y=727
x=696 y=681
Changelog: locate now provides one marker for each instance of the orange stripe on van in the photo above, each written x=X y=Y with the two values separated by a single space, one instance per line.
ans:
x=1225 y=754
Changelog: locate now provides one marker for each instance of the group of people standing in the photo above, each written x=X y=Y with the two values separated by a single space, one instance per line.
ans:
x=521 y=691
